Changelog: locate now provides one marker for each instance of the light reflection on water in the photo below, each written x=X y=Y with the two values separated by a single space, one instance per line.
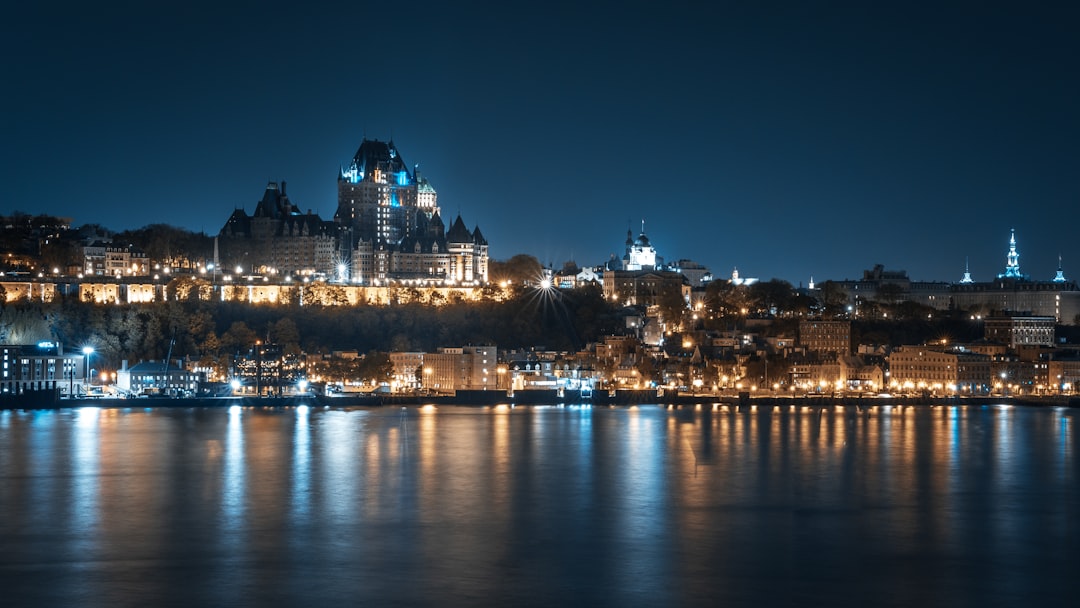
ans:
x=647 y=505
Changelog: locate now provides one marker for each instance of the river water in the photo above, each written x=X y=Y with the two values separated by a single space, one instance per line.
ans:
x=540 y=506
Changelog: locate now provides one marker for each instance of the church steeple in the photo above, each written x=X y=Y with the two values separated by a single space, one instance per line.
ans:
x=1012 y=260
x=967 y=273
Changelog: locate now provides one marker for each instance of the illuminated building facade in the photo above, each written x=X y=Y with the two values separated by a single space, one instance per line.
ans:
x=429 y=256
x=408 y=369
x=387 y=229
x=392 y=228
x=1017 y=331
x=1063 y=373
x=640 y=254
x=378 y=195
x=102 y=258
x=924 y=368
x=641 y=279
x=464 y=368
x=269 y=369
x=158 y=378
x=43 y=366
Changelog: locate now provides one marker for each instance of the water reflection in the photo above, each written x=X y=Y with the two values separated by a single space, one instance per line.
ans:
x=233 y=476
x=301 y=466
x=539 y=506
x=85 y=478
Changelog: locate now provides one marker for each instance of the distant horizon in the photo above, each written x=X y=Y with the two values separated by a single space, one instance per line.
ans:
x=717 y=274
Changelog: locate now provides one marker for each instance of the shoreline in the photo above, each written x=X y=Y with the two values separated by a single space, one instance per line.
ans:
x=39 y=401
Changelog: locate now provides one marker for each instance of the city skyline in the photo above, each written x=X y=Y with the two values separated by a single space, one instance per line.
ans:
x=789 y=142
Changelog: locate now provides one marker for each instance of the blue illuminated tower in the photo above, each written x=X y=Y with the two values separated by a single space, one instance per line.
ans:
x=1012 y=260
x=378 y=195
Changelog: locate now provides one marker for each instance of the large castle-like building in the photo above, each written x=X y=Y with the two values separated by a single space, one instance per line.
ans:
x=387 y=229
x=277 y=238
x=392 y=227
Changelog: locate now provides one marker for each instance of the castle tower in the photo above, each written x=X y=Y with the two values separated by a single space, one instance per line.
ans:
x=378 y=195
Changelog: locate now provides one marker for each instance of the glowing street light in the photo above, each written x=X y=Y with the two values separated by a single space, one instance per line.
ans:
x=87 y=351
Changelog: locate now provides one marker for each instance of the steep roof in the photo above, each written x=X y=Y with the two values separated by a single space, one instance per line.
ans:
x=459 y=233
x=374 y=154
x=297 y=224
x=238 y=224
x=271 y=204
x=155 y=366
x=478 y=237
x=427 y=243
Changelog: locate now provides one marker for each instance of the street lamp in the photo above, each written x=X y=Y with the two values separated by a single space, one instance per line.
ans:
x=87 y=351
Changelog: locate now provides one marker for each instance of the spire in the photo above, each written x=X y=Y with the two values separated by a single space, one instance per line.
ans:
x=458 y=233
x=967 y=272
x=1060 y=278
x=1012 y=260
x=479 y=236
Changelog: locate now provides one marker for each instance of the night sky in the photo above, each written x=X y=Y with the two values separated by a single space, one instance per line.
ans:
x=788 y=139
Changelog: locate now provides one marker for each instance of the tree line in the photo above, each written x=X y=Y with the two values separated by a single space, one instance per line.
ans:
x=213 y=331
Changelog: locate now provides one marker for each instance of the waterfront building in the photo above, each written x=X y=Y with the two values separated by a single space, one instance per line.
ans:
x=460 y=368
x=858 y=374
x=408 y=370
x=269 y=369
x=158 y=378
x=41 y=366
x=532 y=373
x=815 y=373
x=1063 y=372
x=939 y=369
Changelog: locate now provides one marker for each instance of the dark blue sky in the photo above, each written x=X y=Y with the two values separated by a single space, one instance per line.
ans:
x=787 y=139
